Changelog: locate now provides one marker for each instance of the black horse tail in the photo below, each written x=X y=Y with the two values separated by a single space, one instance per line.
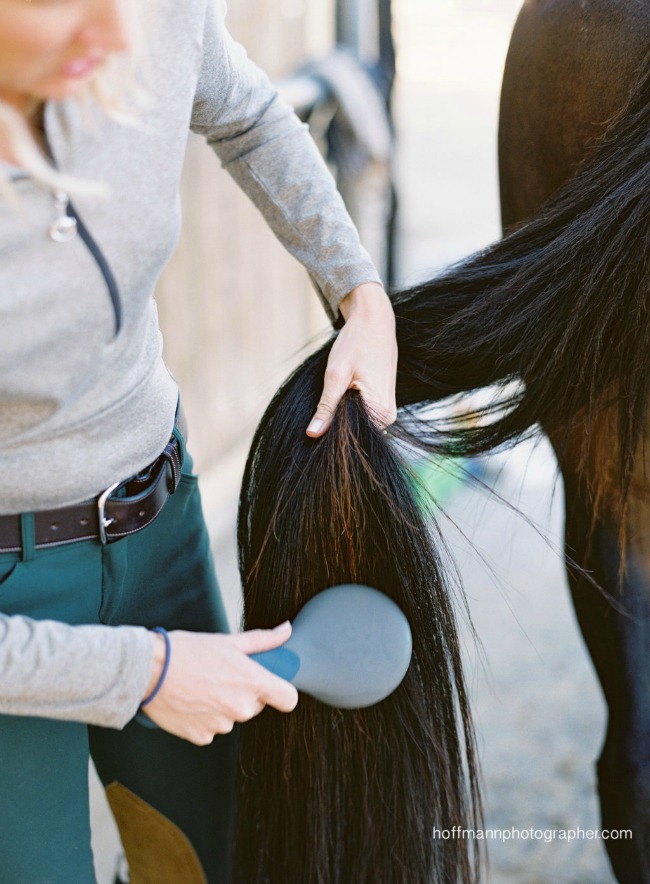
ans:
x=556 y=315
x=332 y=796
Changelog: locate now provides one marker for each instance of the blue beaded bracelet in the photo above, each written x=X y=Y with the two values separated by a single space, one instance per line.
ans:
x=168 y=653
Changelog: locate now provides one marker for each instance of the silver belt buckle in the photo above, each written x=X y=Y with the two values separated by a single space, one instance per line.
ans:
x=101 y=511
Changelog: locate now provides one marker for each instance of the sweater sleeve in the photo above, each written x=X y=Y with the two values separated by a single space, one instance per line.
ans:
x=94 y=674
x=272 y=156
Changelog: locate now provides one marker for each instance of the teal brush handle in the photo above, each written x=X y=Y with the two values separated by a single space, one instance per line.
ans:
x=280 y=661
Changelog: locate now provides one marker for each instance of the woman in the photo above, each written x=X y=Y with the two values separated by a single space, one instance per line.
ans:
x=100 y=521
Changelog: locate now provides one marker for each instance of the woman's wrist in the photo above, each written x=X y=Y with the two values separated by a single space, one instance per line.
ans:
x=364 y=298
x=157 y=662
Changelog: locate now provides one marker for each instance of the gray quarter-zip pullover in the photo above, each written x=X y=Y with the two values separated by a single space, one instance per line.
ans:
x=85 y=398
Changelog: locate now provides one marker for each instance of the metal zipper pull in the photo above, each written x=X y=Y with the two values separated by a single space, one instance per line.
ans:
x=63 y=228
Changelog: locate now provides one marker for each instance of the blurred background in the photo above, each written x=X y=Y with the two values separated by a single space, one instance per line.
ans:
x=238 y=314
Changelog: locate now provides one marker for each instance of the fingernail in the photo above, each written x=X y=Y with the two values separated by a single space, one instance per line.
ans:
x=283 y=625
x=315 y=426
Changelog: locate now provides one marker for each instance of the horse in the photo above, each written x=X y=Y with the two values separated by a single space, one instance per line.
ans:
x=568 y=72
x=560 y=307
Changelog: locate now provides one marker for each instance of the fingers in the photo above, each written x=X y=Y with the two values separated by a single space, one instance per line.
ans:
x=257 y=640
x=258 y=688
x=271 y=690
x=382 y=407
x=275 y=692
x=265 y=689
x=336 y=383
x=364 y=357
x=278 y=693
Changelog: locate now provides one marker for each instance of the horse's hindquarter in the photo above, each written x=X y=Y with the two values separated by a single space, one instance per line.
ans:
x=599 y=447
x=569 y=68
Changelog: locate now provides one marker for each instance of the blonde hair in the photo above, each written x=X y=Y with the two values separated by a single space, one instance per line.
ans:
x=119 y=88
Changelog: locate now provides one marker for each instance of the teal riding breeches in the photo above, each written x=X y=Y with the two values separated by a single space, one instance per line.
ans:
x=173 y=801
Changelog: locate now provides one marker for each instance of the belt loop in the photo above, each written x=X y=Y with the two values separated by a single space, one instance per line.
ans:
x=27 y=533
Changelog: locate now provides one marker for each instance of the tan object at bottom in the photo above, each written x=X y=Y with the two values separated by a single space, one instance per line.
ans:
x=157 y=851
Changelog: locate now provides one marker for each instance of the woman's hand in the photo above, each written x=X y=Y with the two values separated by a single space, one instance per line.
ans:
x=212 y=683
x=364 y=356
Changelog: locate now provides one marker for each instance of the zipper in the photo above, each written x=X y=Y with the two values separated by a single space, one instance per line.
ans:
x=67 y=223
x=73 y=216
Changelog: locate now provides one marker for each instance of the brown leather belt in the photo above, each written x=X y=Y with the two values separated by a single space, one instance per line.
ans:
x=120 y=510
